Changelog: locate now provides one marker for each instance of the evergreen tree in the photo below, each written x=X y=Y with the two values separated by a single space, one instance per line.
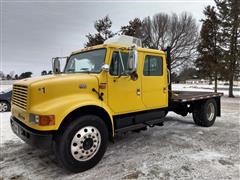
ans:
x=229 y=18
x=2 y=76
x=16 y=76
x=102 y=27
x=188 y=73
x=44 y=72
x=208 y=61
x=9 y=77
x=133 y=28
x=25 y=75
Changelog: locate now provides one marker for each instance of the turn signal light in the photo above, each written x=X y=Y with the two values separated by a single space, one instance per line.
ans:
x=42 y=120
x=46 y=120
x=102 y=86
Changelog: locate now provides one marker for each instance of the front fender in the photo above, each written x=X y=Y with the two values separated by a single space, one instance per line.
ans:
x=62 y=106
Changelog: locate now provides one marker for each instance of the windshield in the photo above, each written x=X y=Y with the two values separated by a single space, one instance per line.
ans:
x=90 y=62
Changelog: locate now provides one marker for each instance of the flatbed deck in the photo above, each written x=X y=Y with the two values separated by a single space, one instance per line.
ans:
x=186 y=96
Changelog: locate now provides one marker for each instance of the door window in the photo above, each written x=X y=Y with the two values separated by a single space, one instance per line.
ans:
x=116 y=67
x=153 y=66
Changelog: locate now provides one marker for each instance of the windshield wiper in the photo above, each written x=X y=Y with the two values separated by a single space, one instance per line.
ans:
x=88 y=72
x=81 y=71
x=70 y=70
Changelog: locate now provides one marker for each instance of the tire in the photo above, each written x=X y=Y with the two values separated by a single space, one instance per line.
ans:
x=4 y=106
x=205 y=114
x=83 y=143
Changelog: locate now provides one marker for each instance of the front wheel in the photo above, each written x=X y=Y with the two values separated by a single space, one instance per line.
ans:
x=83 y=144
x=205 y=113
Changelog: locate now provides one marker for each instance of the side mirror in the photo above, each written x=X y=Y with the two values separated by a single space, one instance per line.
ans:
x=132 y=61
x=105 y=67
x=56 y=65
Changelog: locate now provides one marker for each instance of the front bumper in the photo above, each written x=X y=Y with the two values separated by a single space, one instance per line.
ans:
x=39 y=139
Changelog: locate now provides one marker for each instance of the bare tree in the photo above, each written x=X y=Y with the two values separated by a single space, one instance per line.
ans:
x=178 y=32
x=12 y=73
x=2 y=75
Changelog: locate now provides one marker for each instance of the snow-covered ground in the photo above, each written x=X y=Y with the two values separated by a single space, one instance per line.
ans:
x=178 y=150
x=208 y=88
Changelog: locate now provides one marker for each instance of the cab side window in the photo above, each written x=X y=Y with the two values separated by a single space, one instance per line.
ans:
x=153 y=66
x=116 y=67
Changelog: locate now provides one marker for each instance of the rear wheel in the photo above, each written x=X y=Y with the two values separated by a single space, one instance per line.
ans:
x=83 y=144
x=205 y=114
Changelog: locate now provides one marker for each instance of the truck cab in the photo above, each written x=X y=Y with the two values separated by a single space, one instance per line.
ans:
x=104 y=89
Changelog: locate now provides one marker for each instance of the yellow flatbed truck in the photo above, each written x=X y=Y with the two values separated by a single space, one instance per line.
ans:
x=105 y=89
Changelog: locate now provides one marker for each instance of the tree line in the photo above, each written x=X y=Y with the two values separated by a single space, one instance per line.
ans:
x=213 y=52
x=13 y=76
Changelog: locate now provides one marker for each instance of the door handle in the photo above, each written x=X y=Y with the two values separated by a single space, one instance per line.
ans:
x=138 y=92
x=169 y=76
x=165 y=90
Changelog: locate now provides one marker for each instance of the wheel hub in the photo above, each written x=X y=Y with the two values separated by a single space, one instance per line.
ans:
x=85 y=143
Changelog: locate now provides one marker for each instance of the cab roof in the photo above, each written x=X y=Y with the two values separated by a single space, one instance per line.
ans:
x=117 y=46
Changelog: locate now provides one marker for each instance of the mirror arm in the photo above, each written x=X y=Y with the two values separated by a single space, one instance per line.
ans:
x=120 y=55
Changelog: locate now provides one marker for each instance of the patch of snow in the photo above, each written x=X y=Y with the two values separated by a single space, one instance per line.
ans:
x=205 y=88
x=4 y=87
x=205 y=155
x=6 y=133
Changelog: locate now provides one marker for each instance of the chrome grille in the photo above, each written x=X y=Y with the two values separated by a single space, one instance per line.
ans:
x=19 y=96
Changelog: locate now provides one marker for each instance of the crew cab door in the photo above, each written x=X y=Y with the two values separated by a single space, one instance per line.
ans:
x=124 y=94
x=154 y=81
